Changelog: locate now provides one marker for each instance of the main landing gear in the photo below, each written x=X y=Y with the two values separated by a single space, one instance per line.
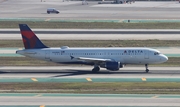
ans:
x=147 y=70
x=95 y=69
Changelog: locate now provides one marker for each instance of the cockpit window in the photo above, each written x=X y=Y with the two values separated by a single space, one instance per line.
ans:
x=156 y=53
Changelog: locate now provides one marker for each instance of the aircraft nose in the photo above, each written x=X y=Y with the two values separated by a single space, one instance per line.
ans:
x=164 y=58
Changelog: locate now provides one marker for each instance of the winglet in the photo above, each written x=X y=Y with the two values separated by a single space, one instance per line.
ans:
x=30 y=40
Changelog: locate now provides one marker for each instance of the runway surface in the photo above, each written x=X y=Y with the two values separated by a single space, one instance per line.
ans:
x=95 y=31
x=75 y=10
x=82 y=100
x=103 y=34
x=84 y=72
x=99 y=34
x=95 y=36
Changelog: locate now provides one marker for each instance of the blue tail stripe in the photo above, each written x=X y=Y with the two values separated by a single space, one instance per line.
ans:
x=24 y=27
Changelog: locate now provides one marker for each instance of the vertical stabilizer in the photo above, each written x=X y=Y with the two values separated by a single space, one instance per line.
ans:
x=30 y=40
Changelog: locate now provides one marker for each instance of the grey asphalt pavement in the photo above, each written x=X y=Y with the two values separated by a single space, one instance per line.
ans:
x=85 y=72
x=74 y=10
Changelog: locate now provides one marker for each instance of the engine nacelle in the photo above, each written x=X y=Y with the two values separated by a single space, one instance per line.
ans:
x=114 y=66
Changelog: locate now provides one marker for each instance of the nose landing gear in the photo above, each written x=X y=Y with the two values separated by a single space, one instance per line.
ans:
x=147 y=70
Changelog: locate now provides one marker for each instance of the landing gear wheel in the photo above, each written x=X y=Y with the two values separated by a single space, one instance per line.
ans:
x=95 y=69
x=147 y=70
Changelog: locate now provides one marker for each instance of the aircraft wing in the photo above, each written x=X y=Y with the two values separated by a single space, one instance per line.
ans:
x=94 y=59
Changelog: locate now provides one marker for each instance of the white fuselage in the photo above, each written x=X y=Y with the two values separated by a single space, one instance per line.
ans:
x=122 y=55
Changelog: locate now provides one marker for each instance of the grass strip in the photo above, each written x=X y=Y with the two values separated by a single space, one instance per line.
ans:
x=90 y=25
x=96 y=88
x=97 y=43
x=26 y=61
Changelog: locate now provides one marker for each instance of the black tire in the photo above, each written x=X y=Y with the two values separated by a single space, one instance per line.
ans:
x=93 y=70
x=147 y=70
x=96 y=69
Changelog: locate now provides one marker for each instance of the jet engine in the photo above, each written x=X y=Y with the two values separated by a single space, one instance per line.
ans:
x=113 y=66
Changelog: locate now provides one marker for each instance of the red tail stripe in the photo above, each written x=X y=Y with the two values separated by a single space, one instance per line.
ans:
x=28 y=34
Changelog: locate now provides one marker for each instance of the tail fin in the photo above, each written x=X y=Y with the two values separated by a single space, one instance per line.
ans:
x=30 y=40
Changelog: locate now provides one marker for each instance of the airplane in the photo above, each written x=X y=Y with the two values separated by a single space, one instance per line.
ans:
x=110 y=58
x=117 y=2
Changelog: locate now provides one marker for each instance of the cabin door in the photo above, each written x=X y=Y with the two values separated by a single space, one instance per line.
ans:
x=47 y=55
x=146 y=54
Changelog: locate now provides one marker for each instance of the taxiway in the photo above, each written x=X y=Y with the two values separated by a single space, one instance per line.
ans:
x=74 y=10
x=85 y=72
x=82 y=100
x=103 y=34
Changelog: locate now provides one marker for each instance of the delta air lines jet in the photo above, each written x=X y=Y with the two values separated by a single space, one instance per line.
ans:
x=110 y=58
